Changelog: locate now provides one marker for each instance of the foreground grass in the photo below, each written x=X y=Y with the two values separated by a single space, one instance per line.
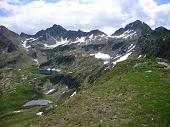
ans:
x=126 y=96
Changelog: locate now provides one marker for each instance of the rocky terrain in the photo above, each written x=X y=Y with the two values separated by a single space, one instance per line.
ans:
x=60 y=77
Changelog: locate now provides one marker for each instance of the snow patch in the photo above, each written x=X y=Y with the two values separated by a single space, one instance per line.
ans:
x=39 y=113
x=131 y=47
x=122 y=58
x=54 y=69
x=24 y=43
x=139 y=56
x=58 y=43
x=73 y=94
x=49 y=69
x=106 y=62
x=31 y=39
x=102 y=56
x=24 y=78
x=103 y=35
x=92 y=54
x=149 y=71
x=37 y=62
x=80 y=40
x=106 y=68
x=125 y=35
x=18 y=111
x=117 y=56
x=50 y=91
x=57 y=70
x=91 y=36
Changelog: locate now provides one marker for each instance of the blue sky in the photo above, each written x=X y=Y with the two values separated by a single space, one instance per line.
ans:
x=30 y=16
x=162 y=1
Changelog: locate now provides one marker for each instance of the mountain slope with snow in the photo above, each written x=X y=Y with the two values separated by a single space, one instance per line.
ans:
x=88 y=77
x=128 y=39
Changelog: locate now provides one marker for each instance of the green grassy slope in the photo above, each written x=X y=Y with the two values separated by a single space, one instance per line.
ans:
x=14 y=92
x=129 y=95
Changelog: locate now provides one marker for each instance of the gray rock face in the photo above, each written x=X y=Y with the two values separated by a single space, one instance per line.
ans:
x=135 y=38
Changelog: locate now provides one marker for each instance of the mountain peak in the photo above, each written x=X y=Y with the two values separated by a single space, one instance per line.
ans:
x=138 y=22
x=161 y=28
x=161 y=31
x=57 y=26
x=55 y=30
x=96 y=32
x=80 y=30
x=138 y=26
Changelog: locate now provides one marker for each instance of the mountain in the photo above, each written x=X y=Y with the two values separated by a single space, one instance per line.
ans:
x=9 y=42
x=57 y=36
x=61 y=77
x=139 y=27
x=156 y=44
x=59 y=31
x=127 y=42
x=11 y=50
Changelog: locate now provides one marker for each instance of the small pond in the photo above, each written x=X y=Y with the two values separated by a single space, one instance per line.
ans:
x=45 y=72
x=39 y=102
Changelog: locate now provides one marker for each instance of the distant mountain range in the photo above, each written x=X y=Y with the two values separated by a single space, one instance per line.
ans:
x=136 y=40
x=40 y=74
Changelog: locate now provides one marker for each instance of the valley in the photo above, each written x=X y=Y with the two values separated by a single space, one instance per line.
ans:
x=60 y=77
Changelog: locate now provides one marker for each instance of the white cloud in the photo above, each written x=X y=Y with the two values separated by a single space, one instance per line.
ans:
x=107 y=15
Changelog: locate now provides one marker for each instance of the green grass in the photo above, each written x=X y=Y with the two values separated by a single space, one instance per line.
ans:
x=12 y=119
x=126 y=96
x=16 y=99
x=20 y=91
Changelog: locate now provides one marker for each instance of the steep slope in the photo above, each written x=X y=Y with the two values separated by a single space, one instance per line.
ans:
x=123 y=43
x=80 y=75
x=133 y=93
x=56 y=36
x=157 y=44
x=139 y=27
x=135 y=40
x=126 y=96
x=13 y=57
x=11 y=50
x=57 y=39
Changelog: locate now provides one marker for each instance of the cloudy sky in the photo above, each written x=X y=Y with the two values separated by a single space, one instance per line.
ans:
x=30 y=16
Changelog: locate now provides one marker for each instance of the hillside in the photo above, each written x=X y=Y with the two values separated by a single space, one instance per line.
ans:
x=11 y=51
x=134 y=92
x=59 y=77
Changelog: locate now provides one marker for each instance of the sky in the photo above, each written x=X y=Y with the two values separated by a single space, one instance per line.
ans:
x=30 y=16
